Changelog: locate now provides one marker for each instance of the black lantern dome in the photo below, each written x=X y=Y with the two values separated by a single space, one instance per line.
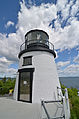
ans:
x=36 y=40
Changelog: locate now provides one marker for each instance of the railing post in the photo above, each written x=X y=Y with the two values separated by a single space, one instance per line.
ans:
x=53 y=47
x=64 y=107
x=42 y=103
x=67 y=102
x=25 y=44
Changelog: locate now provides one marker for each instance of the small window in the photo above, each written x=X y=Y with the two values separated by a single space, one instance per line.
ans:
x=27 y=61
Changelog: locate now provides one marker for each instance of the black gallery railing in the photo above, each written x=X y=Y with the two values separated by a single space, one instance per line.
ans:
x=25 y=45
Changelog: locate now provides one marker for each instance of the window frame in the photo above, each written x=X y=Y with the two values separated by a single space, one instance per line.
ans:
x=26 y=59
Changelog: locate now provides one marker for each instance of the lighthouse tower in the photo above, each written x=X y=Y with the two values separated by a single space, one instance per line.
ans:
x=37 y=75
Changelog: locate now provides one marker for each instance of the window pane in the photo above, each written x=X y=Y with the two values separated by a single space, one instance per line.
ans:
x=25 y=86
x=27 y=60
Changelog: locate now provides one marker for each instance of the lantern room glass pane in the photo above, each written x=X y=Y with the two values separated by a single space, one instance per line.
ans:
x=36 y=36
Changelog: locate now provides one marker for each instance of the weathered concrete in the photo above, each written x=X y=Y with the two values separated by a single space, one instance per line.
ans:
x=11 y=109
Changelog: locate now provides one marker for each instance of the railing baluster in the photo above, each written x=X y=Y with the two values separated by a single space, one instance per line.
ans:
x=45 y=42
x=42 y=102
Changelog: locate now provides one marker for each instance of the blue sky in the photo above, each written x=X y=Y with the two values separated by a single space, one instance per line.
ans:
x=59 y=18
x=8 y=12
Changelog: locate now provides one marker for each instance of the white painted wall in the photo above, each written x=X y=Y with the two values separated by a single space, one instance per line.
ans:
x=45 y=78
x=15 y=94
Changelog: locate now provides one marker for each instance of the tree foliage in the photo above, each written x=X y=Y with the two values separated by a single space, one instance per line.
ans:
x=6 y=85
x=74 y=101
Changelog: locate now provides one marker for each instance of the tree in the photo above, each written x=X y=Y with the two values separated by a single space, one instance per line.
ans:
x=4 y=80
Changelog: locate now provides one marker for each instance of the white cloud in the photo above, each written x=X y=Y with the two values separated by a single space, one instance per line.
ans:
x=9 y=46
x=4 y=67
x=68 y=37
x=71 y=70
x=8 y=72
x=30 y=19
x=9 y=23
x=3 y=60
x=40 y=17
x=64 y=7
x=67 y=69
x=75 y=8
x=62 y=64
x=76 y=59
x=61 y=4
x=36 y=17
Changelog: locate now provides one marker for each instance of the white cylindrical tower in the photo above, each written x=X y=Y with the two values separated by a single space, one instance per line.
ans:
x=37 y=75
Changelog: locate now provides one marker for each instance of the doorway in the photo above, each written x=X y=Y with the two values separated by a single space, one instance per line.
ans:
x=25 y=85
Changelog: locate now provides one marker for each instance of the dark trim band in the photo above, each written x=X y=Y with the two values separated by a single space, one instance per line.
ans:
x=26 y=69
x=36 y=49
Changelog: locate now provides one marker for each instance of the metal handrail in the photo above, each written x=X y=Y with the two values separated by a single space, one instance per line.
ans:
x=52 y=101
x=40 y=42
x=63 y=103
x=48 y=117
